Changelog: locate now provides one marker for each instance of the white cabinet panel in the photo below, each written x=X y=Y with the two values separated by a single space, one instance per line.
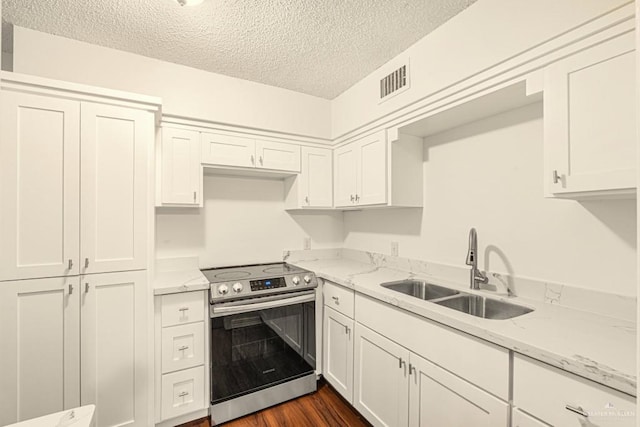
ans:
x=317 y=175
x=185 y=307
x=346 y=175
x=565 y=395
x=339 y=298
x=114 y=347
x=182 y=346
x=182 y=392
x=114 y=169
x=40 y=358
x=277 y=155
x=338 y=352
x=372 y=170
x=439 y=398
x=228 y=150
x=381 y=392
x=590 y=120
x=39 y=186
x=521 y=419
x=180 y=171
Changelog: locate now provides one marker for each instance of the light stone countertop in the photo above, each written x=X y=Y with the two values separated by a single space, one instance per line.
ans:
x=184 y=280
x=593 y=346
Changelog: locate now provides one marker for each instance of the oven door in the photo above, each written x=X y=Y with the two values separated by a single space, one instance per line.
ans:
x=257 y=344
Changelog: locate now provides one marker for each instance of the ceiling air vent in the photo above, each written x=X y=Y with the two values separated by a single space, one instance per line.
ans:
x=394 y=83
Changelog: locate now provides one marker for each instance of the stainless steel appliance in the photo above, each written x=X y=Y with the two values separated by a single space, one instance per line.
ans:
x=263 y=339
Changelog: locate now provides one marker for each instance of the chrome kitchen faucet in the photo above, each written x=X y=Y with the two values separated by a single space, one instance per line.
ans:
x=476 y=276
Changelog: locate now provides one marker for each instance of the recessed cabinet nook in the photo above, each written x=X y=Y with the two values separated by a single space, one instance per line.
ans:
x=87 y=173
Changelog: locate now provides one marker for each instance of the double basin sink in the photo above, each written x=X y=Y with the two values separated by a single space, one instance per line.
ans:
x=475 y=305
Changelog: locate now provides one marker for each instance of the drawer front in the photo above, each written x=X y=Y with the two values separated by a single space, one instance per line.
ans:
x=186 y=307
x=555 y=396
x=338 y=298
x=182 y=346
x=183 y=392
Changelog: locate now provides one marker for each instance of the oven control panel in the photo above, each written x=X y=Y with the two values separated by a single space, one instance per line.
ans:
x=262 y=284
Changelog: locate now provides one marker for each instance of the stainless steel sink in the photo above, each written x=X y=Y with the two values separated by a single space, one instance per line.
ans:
x=486 y=308
x=420 y=289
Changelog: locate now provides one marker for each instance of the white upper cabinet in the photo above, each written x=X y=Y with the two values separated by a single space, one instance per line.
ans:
x=228 y=150
x=114 y=200
x=39 y=186
x=74 y=189
x=277 y=156
x=222 y=149
x=590 y=121
x=180 y=169
x=312 y=188
x=375 y=172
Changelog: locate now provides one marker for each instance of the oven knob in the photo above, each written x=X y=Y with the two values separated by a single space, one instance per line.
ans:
x=223 y=289
x=237 y=287
x=295 y=280
x=307 y=279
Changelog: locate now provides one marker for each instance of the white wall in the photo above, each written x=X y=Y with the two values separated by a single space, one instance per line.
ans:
x=184 y=91
x=243 y=221
x=488 y=175
x=485 y=34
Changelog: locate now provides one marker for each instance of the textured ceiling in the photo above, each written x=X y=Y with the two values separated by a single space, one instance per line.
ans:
x=315 y=47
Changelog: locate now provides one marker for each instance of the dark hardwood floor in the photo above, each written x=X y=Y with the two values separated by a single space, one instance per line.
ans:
x=323 y=408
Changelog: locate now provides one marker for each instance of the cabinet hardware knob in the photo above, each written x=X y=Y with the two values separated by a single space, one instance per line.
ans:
x=183 y=309
x=357 y=198
x=353 y=199
x=261 y=160
x=70 y=264
x=577 y=410
x=183 y=394
x=70 y=289
x=336 y=300
x=194 y=196
x=86 y=287
x=183 y=348
x=253 y=161
x=400 y=362
x=411 y=369
x=556 y=176
x=306 y=199
x=86 y=263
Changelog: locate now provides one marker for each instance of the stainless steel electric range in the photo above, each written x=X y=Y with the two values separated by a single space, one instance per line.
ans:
x=263 y=338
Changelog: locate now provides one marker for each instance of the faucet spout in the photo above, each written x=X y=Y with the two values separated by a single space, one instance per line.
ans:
x=476 y=276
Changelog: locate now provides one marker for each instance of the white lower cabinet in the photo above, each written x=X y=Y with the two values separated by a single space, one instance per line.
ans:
x=92 y=330
x=440 y=398
x=338 y=352
x=182 y=380
x=559 y=398
x=381 y=389
x=521 y=419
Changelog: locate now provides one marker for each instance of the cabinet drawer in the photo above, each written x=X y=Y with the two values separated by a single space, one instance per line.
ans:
x=547 y=393
x=182 y=346
x=182 y=392
x=338 y=298
x=187 y=307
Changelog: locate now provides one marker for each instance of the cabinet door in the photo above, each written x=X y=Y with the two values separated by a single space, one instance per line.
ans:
x=278 y=156
x=372 y=170
x=439 y=398
x=345 y=183
x=316 y=178
x=381 y=391
x=181 y=176
x=338 y=352
x=114 y=347
x=520 y=419
x=114 y=199
x=39 y=186
x=590 y=120
x=40 y=357
x=227 y=150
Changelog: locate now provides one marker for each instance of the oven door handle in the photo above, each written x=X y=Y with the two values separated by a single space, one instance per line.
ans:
x=221 y=310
